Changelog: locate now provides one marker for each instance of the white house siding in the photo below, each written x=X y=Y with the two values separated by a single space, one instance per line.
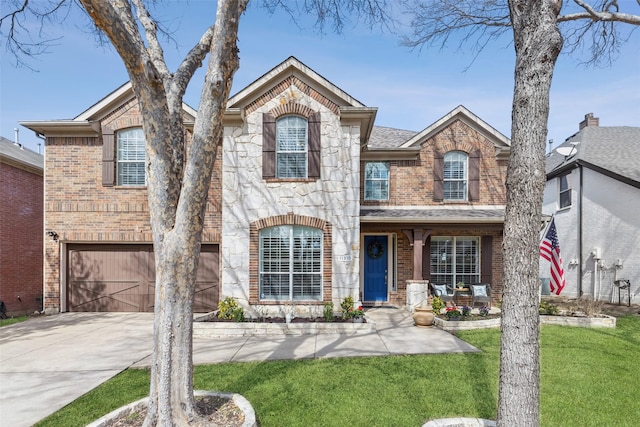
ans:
x=610 y=223
x=247 y=197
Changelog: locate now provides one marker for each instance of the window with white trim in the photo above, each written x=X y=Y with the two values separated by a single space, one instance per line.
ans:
x=131 y=158
x=291 y=147
x=455 y=175
x=455 y=259
x=291 y=263
x=564 y=192
x=376 y=181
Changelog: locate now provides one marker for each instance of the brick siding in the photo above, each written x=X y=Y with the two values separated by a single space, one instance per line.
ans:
x=80 y=209
x=21 y=247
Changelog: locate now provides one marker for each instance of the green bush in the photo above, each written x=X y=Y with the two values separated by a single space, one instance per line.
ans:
x=328 y=311
x=346 y=307
x=229 y=309
x=548 y=308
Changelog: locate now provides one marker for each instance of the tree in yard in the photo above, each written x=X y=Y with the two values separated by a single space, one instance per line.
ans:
x=177 y=183
x=540 y=29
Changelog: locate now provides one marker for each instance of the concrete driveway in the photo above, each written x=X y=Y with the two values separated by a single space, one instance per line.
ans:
x=48 y=362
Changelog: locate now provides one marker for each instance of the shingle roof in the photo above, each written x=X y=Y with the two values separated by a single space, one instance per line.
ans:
x=482 y=214
x=20 y=154
x=614 y=149
x=384 y=137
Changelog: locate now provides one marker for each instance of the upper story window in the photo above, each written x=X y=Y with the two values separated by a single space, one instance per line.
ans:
x=455 y=175
x=131 y=157
x=564 y=195
x=376 y=181
x=291 y=263
x=291 y=147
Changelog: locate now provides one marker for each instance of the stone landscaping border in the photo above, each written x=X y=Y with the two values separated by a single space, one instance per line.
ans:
x=203 y=329
x=240 y=401
x=602 y=321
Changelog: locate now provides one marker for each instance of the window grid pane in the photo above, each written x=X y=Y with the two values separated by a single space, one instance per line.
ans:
x=376 y=181
x=291 y=147
x=464 y=267
x=295 y=252
x=131 y=157
x=455 y=176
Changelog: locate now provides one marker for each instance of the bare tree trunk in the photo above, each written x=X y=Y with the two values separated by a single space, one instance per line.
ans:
x=538 y=43
x=177 y=195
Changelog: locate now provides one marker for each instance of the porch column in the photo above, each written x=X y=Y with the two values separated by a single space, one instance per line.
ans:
x=417 y=238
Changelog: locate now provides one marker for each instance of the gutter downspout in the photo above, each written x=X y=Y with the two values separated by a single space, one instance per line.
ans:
x=580 y=197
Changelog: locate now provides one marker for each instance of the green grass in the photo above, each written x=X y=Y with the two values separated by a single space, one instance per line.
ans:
x=12 y=320
x=589 y=378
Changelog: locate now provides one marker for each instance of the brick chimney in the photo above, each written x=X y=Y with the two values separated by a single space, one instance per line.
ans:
x=589 y=120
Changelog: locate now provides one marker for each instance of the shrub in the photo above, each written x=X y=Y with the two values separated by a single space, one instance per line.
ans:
x=466 y=311
x=346 y=307
x=230 y=310
x=588 y=306
x=437 y=305
x=548 y=308
x=328 y=311
x=484 y=311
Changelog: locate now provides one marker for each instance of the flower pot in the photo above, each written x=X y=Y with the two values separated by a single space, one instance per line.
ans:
x=357 y=320
x=423 y=317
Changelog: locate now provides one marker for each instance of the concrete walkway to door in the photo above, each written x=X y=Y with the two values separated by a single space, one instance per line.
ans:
x=48 y=362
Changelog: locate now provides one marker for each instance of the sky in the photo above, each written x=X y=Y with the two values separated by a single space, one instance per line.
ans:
x=412 y=88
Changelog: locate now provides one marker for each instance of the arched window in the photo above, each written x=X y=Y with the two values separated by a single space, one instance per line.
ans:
x=291 y=147
x=131 y=157
x=376 y=181
x=455 y=175
x=291 y=263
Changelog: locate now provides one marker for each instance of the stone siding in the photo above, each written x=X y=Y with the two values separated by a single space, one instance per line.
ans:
x=249 y=199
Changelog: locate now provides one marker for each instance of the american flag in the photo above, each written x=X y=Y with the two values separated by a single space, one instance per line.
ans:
x=550 y=250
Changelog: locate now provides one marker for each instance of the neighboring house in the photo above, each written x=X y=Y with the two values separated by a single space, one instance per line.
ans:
x=309 y=203
x=593 y=190
x=21 y=229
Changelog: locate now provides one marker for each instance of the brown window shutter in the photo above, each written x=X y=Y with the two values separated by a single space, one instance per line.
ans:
x=108 y=158
x=438 y=176
x=474 y=176
x=486 y=262
x=314 y=145
x=268 y=146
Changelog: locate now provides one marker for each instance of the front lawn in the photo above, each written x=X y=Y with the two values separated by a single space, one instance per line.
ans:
x=589 y=378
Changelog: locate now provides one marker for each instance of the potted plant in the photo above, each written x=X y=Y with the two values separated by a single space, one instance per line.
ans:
x=357 y=315
x=423 y=316
x=466 y=311
x=453 y=313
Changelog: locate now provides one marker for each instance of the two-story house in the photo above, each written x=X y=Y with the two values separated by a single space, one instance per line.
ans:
x=593 y=191
x=309 y=202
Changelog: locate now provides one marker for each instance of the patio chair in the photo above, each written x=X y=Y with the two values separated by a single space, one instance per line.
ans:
x=480 y=293
x=445 y=292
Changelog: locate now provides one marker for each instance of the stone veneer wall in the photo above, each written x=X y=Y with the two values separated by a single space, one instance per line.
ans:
x=247 y=199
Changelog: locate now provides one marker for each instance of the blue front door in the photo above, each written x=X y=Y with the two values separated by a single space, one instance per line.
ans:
x=375 y=268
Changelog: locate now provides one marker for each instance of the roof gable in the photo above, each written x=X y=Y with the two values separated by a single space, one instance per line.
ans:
x=87 y=122
x=295 y=72
x=501 y=142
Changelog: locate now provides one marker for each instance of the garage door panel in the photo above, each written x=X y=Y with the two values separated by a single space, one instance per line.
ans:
x=104 y=296
x=122 y=278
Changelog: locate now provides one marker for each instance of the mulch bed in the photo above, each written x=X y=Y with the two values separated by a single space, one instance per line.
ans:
x=216 y=411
